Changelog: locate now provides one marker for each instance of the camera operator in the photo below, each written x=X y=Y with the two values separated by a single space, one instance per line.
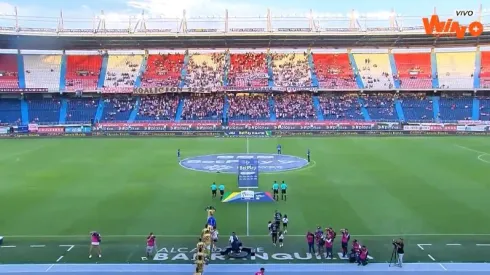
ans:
x=399 y=246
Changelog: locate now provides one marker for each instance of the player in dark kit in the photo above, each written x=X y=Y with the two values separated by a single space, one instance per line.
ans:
x=274 y=232
x=178 y=154
x=308 y=155
x=279 y=149
x=277 y=218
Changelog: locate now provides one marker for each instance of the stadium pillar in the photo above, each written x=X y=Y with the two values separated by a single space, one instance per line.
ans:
x=433 y=64
x=476 y=75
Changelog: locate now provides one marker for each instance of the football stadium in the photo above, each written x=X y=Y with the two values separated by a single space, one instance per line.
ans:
x=186 y=149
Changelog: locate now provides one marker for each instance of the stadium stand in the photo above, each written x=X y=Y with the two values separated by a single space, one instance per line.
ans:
x=341 y=107
x=381 y=106
x=417 y=107
x=334 y=71
x=375 y=71
x=455 y=70
x=118 y=108
x=8 y=71
x=294 y=106
x=10 y=111
x=248 y=70
x=203 y=107
x=81 y=110
x=414 y=70
x=163 y=70
x=82 y=72
x=291 y=70
x=248 y=107
x=485 y=108
x=485 y=70
x=158 y=107
x=455 y=107
x=42 y=71
x=45 y=110
x=122 y=71
x=205 y=70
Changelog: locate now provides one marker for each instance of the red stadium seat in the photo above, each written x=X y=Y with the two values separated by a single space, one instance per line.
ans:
x=485 y=70
x=8 y=71
x=334 y=71
x=163 y=70
x=82 y=71
x=248 y=70
x=414 y=70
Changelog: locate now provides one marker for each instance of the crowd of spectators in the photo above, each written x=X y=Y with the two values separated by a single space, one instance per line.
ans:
x=118 y=107
x=291 y=70
x=248 y=70
x=294 y=106
x=245 y=106
x=158 y=107
x=341 y=106
x=203 y=107
x=416 y=106
x=124 y=78
x=380 y=105
x=374 y=77
x=205 y=70
x=163 y=70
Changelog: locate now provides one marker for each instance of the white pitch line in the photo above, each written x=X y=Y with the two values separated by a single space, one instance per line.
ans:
x=421 y=246
x=472 y=150
x=8 y=246
x=37 y=245
x=453 y=244
x=59 y=259
x=482 y=244
x=70 y=246
x=193 y=236
x=49 y=268
x=432 y=258
x=443 y=267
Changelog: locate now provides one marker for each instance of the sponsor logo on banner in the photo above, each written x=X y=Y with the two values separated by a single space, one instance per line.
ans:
x=228 y=163
x=4 y=130
x=33 y=127
x=416 y=128
x=25 y=90
x=473 y=128
x=50 y=130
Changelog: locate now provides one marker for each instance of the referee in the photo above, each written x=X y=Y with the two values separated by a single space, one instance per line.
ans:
x=308 y=155
x=275 y=190
x=284 y=187
x=213 y=189
x=400 y=250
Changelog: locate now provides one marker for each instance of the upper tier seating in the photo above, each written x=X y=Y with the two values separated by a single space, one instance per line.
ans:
x=375 y=70
x=118 y=108
x=9 y=71
x=42 y=71
x=122 y=72
x=82 y=72
x=10 y=111
x=334 y=71
x=248 y=70
x=417 y=107
x=44 y=110
x=381 y=106
x=248 y=107
x=455 y=108
x=485 y=70
x=81 y=110
x=205 y=70
x=163 y=70
x=414 y=70
x=291 y=70
x=455 y=70
x=341 y=107
x=158 y=107
x=294 y=106
x=203 y=107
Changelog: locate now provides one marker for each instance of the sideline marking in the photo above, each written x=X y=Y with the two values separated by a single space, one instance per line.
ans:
x=49 y=268
x=443 y=267
x=453 y=244
x=253 y=236
x=432 y=258
x=37 y=245
x=8 y=246
x=59 y=259
x=481 y=153
x=482 y=244
x=421 y=246
x=70 y=247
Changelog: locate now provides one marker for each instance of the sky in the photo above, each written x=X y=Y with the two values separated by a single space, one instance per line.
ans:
x=125 y=13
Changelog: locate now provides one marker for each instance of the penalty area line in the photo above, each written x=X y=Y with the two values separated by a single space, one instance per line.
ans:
x=432 y=258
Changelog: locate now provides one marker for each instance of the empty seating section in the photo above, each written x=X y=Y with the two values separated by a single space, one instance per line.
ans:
x=341 y=107
x=203 y=107
x=205 y=70
x=8 y=71
x=485 y=70
x=414 y=70
x=163 y=70
x=291 y=70
x=375 y=70
x=122 y=71
x=161 y=107
x=248 y=70
x=455 y=108
x=417 y=107
x=81 y=110
x=294 y=106
x=381 y=106
x=248 y=107
x=44 y=110
x=485 y=108
x=118 y=108
x=334 y=71
x=455 y=70
x=42 y=71
x=82 y=72
x=10 y=111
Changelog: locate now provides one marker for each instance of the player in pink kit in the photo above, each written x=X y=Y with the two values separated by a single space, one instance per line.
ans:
x=95 y=243
x=150 y=244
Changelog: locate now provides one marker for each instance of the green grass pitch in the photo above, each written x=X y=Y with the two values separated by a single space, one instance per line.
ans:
x=428 y=190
